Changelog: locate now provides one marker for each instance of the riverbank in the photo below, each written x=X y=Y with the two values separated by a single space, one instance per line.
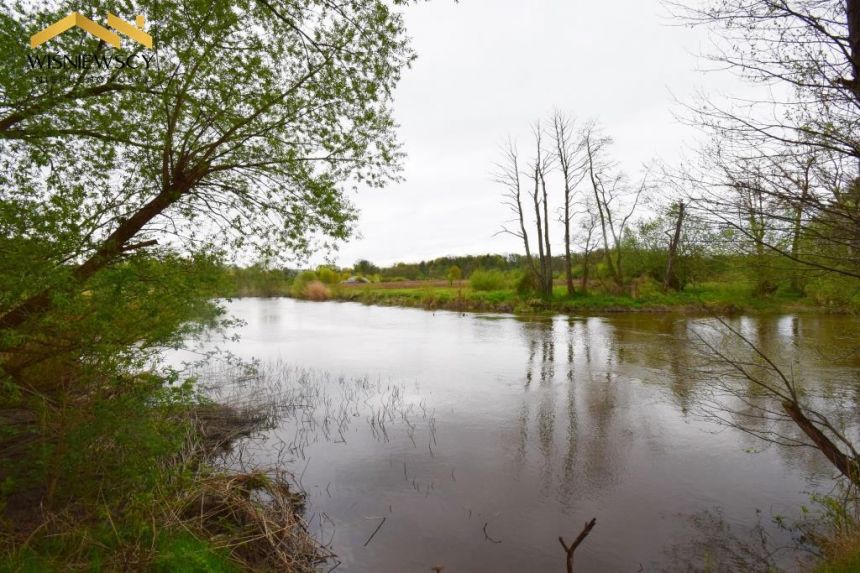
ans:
x=440 y=295
x=164 y=501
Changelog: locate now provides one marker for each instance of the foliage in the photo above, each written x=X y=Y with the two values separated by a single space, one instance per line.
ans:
x=121 y=193
x=487 y=280
x=258 y=280
x=328 y=276
x=526 y=283
x=454 y=274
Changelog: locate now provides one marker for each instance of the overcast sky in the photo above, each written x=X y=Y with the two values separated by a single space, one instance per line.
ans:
x=485 y=70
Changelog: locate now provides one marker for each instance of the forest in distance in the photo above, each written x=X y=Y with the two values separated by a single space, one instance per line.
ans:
x=171 y=362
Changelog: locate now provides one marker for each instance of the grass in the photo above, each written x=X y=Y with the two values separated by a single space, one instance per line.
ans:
x=843 y=557
x=723 y=297
x=138 y=488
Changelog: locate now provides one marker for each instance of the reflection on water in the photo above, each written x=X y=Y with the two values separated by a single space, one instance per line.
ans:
x=504 y=433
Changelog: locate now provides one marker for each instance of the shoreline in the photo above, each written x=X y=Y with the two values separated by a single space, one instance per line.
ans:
x=575 y=306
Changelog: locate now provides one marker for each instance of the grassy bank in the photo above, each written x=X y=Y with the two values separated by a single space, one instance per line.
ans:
x=721 y=297
x=132 y=484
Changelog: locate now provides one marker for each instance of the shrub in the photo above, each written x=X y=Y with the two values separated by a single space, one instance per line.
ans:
x=487 y=280
x=315 y=290
x=833 y=291
x=328 y=276
x=297 y=289
x=644 y=286
x=526 y=283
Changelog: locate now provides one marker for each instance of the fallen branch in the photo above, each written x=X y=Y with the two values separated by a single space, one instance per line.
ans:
x=569 y=549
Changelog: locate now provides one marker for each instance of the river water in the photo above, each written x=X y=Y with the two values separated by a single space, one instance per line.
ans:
x=480 y=439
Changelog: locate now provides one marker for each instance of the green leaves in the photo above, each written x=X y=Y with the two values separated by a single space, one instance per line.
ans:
x=258 y=113
x=243 y=135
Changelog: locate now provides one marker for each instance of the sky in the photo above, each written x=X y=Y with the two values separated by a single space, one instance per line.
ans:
x=486 y=70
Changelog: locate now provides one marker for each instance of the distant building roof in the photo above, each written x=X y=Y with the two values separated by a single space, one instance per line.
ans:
x=356 y=280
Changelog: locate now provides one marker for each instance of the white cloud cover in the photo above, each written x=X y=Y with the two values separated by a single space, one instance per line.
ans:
x=485 y=70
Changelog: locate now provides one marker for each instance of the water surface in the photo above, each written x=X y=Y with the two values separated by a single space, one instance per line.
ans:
x=482 y=438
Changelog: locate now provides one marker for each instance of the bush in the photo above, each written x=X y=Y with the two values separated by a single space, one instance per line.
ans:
x=645 y=286
x=487 y=280
x=315 y=290
x=526 y=283
x=297 y=290
x=328 y=276
x=833 y=291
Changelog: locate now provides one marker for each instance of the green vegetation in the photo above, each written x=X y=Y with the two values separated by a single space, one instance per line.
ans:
x=487 y=280
x=725 y=283
x=454 y=274
x=718 y=297
x=122 y=195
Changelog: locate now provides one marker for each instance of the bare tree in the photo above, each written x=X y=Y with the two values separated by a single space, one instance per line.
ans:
x=783 y=172
x=799 y=143
x=540 y=167
x=571 y=163
x=508 y=174
x=755 y=394
x=611 y=190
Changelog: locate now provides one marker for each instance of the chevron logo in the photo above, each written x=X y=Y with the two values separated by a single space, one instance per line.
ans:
x=133 y=31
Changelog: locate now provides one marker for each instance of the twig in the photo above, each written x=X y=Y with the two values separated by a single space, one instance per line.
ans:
x=378 y=527
x=569 y=549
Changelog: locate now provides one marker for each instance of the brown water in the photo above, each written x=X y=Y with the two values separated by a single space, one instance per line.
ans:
x=482 y=438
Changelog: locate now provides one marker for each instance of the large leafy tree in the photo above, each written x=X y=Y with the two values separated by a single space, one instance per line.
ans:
x=246 y=131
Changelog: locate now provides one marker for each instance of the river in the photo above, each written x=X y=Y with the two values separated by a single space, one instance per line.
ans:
x=480 y=439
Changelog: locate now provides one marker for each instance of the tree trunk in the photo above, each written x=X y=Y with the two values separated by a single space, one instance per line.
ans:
x=112 y=247
x=568 y=270
x=847 y=466
x=670 y=280
x=525 y=234
x=584 y=285
x=536 y=198
x=547 y=248
x=796 y=285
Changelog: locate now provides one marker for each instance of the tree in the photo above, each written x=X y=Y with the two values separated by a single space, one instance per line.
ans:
x=782 y=172
x=508 y=174
x=572 y=166
x=540 y=166
x=610 y=190
x=244 y=136
x=797 y=145
x=365 y=267
x=454 y=274
x=671 y=280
